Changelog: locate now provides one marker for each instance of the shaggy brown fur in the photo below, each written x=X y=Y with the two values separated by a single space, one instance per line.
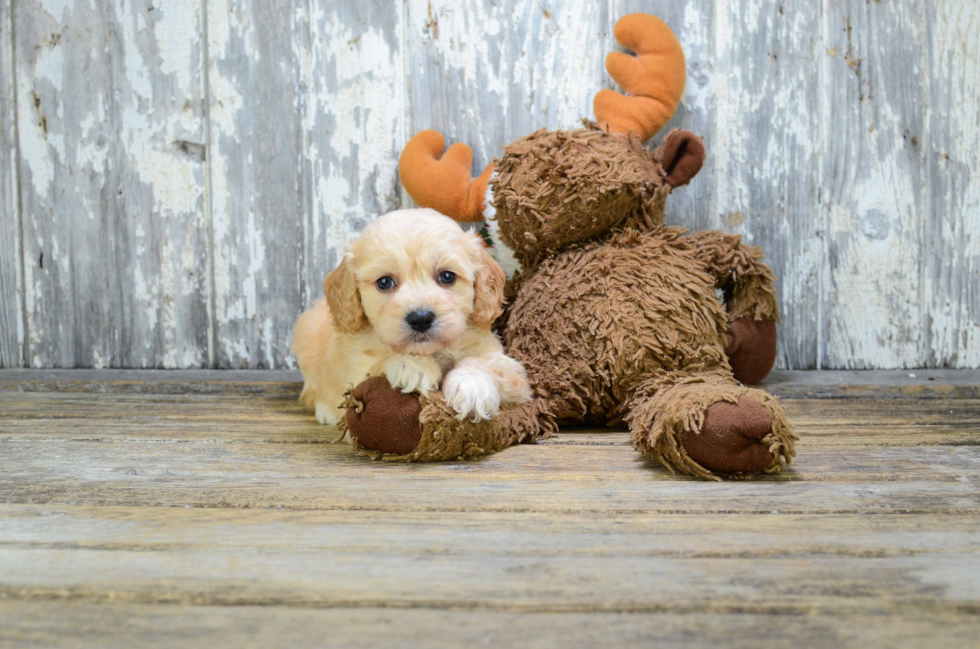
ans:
x=626 y=327
x=594 y=181
x=738 y=270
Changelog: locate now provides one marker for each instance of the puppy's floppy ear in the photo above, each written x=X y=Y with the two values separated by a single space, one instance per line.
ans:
x=488 y=302
x=344 y=301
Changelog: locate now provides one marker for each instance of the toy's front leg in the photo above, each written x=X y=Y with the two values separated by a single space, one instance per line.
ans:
x=750 y=300
x=391 y=425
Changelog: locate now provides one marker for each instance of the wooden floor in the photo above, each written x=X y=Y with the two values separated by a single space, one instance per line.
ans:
x=154 y=508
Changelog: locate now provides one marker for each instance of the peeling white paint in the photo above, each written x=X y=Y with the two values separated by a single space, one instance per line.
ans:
x=56 y=8
x=806 y=126
x=225 y=106
x=35 y=136
x=173 y=20
x=355 y=120
x=874 y=305
x=952 y=282
x=108 y=201
x=11 y=278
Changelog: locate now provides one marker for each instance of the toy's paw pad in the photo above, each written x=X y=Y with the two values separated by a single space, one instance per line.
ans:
x=729 y=441
x=751 y=348
x=388 y=420
x=471 y=393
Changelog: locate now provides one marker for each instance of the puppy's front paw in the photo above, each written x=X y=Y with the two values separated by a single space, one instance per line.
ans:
x=413 y=373
x=329 y=415
x=472 y=393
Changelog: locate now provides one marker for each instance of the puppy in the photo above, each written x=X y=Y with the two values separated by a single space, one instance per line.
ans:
x=412 y=300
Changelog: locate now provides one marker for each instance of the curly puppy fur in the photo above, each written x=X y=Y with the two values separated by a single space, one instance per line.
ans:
x=434 y=271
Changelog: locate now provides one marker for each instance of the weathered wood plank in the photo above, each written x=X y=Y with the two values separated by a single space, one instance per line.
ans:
x=874 y=384
x=263 y=382
x=485 y=74
x=540 y=478
x=835 y=384
x=280 y=419
x=875 y=182
x=170 y=516
x=952 y=226
x=423 y=534
x=111 y=179
x=45 y=623
x=827 y=439
x=306 y=113
x=11 y=282
x=509 y=562
x=355 y=129
x=768 y=129
x=259 y=188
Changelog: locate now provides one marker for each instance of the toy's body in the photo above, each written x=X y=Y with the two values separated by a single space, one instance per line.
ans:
x=648 y=311
x=615 y=315
x=642 y=340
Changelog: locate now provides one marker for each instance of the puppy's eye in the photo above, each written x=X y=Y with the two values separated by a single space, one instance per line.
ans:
x=385 y=283
x=447 y=277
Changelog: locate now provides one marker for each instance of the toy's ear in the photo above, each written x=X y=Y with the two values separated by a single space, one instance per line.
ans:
x=344 y=301
x=488 y=302
x=443 y=182
x=681 y=156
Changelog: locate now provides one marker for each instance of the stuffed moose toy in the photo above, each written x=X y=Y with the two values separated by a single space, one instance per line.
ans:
x=614 y=314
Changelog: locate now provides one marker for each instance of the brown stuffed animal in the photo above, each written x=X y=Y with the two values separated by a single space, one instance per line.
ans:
x=614 y=314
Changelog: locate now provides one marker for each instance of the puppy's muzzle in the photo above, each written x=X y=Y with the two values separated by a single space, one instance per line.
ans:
x=420 y=320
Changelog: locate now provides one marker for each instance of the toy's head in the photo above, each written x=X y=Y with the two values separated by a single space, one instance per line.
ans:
x=554 y=188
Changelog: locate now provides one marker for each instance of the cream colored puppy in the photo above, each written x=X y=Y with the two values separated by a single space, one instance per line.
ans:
x=412 y=300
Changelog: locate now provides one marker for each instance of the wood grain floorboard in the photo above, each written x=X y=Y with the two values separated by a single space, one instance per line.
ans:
x=68 y=624
x=144 y=516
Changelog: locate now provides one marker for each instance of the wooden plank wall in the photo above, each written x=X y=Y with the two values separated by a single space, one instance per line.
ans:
x=176 y=179
x=11 y=283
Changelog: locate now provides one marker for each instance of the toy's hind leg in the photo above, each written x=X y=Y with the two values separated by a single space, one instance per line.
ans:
x=708 y=425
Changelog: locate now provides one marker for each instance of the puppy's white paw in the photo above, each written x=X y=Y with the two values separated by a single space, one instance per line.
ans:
x=413 y=373
x=472 y=393
x=329 y=416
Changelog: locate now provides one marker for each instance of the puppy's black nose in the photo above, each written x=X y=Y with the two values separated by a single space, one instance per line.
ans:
x=421 y=320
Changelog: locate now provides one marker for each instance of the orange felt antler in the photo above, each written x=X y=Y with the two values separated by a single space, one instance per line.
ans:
x=445 y=183
x=653 y=79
